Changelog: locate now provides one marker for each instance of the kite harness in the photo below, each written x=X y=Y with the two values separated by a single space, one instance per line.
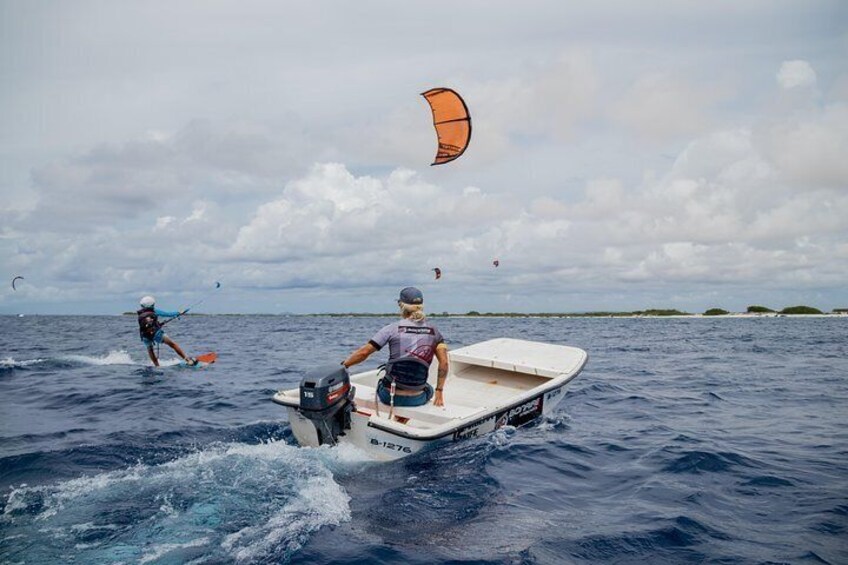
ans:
x=148 y=323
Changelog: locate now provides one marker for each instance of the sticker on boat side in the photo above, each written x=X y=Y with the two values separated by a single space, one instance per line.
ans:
x=473 y=430
x=554 y=393
x=527 y=412
x=391 y=446
x=517 y=416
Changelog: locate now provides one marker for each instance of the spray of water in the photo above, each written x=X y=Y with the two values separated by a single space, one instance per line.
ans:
x=236 y=501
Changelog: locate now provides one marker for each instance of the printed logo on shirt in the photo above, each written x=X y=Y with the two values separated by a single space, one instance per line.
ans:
x=415 y=330
x=423 y=352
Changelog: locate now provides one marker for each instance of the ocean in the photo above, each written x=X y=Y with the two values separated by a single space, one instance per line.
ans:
x=683 y=441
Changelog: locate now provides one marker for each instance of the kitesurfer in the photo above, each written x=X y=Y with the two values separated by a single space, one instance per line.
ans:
x=151 y=332
x=413 y=342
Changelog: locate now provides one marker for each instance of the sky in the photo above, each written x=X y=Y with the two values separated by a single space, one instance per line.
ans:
x=624 y=155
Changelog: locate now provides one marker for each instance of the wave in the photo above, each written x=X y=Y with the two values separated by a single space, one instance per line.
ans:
x=235 y=501
x=697 y=462
x=683 y=534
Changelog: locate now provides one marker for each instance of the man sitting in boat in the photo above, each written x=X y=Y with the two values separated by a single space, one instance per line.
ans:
x=413 y=342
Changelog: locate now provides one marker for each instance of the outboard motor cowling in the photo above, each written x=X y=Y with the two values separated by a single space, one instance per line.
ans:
x=326 y=399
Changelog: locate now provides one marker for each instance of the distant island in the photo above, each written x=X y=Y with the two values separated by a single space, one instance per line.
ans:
x=750 y=312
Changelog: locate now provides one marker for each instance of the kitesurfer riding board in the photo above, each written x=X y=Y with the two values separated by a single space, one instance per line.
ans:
x=151 y=332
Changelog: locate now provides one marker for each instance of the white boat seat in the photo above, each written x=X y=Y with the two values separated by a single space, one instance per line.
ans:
x=419 y=416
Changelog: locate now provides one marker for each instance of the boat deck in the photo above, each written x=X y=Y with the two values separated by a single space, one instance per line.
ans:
x=473 y=390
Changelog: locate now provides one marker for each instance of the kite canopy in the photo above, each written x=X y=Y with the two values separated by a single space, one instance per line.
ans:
x=438 y=272
x=496 y=262
x=13 y=282
x=452 y=123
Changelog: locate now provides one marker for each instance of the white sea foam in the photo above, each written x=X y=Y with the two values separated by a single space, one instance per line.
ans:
x=165 y=548
x=169 y=362
x=112 y=358
x=278 y=495
x=88 y=526
x=502 y=438
x=120 y=357
x=321 y=502
x=10 y=363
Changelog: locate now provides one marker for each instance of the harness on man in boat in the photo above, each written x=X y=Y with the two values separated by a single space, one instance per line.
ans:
x=148 y=323
x=403 y=374
x=406 y=374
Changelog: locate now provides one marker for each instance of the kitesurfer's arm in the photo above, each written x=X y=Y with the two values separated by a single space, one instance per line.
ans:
x=360 y=355
x=166 y=313
x=442 y=358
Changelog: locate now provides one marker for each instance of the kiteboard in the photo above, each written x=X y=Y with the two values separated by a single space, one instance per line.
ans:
x=202 y=361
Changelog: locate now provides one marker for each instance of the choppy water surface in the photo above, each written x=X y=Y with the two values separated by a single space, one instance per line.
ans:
x=682 y=441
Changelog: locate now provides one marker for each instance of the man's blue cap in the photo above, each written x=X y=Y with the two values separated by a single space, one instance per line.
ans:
x=411 y=295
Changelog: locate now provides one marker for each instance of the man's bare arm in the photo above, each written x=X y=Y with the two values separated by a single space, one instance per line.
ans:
x=442 y=358
x=359 y=355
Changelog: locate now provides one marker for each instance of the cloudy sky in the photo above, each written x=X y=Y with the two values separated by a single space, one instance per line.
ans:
x=625 y=155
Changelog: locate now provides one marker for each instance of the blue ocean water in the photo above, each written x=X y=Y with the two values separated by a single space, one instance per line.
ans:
x=684 y=440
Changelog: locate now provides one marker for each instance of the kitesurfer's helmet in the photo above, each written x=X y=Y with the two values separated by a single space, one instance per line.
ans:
x=147 y=302
x=411 y=295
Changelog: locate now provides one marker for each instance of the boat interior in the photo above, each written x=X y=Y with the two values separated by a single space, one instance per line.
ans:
x=482 y=378
x=469 y=390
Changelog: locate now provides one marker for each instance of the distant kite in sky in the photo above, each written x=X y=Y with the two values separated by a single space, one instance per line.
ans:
x=496 y=263
x=13 y=282
x=452 y=122
x=438 y=272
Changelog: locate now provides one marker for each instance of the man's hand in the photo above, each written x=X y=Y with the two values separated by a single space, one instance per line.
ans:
x=438 y=399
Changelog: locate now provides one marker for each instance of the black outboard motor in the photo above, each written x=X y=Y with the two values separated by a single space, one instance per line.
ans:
x=326 y=398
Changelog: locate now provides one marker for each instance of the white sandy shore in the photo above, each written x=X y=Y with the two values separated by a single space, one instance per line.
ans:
x=687 y=316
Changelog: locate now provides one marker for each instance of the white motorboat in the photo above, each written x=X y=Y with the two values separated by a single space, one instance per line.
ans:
x=495 y=383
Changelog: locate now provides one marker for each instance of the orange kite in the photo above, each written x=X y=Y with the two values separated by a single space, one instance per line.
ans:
x=452 y=123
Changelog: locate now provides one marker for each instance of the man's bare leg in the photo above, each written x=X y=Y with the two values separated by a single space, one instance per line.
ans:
x=173 y=345
x=152 y=355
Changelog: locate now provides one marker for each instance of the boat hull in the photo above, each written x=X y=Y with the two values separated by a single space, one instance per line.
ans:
x=387 y=445
x=507 y=393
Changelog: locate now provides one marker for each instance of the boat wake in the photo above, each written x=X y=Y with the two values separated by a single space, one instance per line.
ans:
x=8 y=363
x=120 y=357
x=236 y=501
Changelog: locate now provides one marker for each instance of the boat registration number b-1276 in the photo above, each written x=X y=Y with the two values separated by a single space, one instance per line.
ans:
x=391 y=446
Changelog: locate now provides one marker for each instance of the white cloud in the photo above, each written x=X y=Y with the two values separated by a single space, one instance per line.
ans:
x=796 y=74
x=163 y=222
x=161 y=172
x=732 y=209
x=176 y=156
x=811 y=150
x=658 y=106
x=332 y=213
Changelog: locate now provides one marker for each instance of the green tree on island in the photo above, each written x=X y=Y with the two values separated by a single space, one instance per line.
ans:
x=716 y=312
x=801 y=310
x=759 y=310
